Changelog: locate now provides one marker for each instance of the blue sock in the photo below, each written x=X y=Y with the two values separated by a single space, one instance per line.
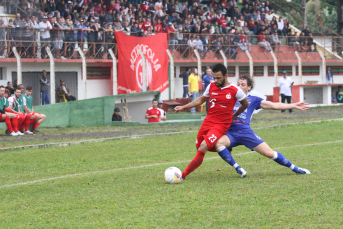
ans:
x=226 y=156
x=280 y=159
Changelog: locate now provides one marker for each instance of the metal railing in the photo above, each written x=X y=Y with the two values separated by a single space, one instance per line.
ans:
x=95 y=44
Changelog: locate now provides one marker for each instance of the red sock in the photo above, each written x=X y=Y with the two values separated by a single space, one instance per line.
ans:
x=35 y=126
x=8 y=124
x=15 y=124
x=27 y=122
x=195 y=163
x=33 y=121
x=21 y=119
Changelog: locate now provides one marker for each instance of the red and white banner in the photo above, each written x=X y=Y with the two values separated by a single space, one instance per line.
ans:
x=130 y=63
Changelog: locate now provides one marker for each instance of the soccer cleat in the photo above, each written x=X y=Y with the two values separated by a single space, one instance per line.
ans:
x=13 y=134
x=8 y=132
x=303 y=171
x=35 y=131
x=28 y=132
x=241 y=171
x=19 y=133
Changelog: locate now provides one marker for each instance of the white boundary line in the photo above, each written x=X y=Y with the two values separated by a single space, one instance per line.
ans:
x=145 y=166
x=143 y=136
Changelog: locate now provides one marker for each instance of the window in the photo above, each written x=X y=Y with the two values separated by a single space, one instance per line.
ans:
x=309 y=70
x=336 y=69
x=98 y=73
x=231 y=71
x=288 y=69
x=244 y=70
x=258 y=71
x=1 y=77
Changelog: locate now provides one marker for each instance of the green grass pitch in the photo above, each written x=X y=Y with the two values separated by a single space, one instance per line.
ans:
x=119 y=184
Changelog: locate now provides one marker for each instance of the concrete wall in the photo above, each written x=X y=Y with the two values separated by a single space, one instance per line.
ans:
x=98 y=88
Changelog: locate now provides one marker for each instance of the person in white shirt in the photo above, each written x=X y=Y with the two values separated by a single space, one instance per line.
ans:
x=280 y=26
x=163 y=116
x=45 y=27
x=269 y=16
x=285 y=89
x=199 y=44
x=158 y=9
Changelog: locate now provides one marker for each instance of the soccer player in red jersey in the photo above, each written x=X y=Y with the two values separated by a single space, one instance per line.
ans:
x=223 y=96
x=153 y=113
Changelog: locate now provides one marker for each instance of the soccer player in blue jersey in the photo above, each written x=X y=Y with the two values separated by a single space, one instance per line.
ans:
x=240 y=132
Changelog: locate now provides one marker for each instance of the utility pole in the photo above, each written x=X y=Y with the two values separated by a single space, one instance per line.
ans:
x=303 y=4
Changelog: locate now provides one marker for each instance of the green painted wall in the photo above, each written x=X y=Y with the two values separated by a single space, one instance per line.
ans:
x=87 y=112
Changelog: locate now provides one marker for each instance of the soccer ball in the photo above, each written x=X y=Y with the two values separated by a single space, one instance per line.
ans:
x=173 y=175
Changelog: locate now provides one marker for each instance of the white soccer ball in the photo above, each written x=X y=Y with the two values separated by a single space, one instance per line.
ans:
x=173 y=175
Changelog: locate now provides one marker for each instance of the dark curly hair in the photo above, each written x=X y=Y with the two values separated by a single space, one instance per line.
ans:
x=219 y=68
x=249 y=80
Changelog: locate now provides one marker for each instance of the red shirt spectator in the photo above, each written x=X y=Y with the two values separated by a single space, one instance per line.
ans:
x=145 y=6
x=110 y=7
x=169 y=29
x=243 y=38
x=158 y=27
x=146 y=25
x=251 y=24
x=222 y=21
x=261 y=37
x=153 y=113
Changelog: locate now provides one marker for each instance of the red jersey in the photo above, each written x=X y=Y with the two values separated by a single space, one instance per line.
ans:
x=146 y=25
x=221 y=103
x=145 y=6
x=158 y=28
x=222 y=21
x=140 y=24
x=153 y=111
x=170 y=35
x=243 y=39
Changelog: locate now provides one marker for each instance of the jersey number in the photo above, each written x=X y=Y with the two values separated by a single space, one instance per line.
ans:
x=212 y=101
x=212 y=138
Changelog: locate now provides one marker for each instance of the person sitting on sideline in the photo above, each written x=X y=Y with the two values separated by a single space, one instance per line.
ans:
x=64 y=90
x=153 y=113
x=116 y=115
x=163 y=116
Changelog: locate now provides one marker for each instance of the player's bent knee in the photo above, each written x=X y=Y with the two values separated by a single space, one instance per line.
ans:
x=223 y=141
x=203 y=146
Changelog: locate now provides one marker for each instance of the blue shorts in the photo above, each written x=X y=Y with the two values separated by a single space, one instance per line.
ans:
x=243 y=136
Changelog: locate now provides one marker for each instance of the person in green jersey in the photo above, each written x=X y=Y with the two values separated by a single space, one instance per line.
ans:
x=14 y=107
x=9 y=118
x=26 y=101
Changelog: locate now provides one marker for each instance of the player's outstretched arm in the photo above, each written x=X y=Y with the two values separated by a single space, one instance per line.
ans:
x=282 y=106
x=197 y=102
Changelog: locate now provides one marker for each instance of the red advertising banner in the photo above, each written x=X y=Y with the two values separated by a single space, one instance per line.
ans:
x=130 y=63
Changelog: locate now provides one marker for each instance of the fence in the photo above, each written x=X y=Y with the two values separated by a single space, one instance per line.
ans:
x=96 y=44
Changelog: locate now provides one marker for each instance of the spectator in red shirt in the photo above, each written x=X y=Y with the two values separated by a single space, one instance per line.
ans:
x=146 y=24
x=158 y=26
x=261 y=41
x=110 y=6
x=153 y=113
x=171 y=31
x=222 y=22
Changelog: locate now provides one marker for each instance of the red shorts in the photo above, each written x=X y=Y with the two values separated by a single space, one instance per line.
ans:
x=33 y=113
x=211 y=133
x=1 y=120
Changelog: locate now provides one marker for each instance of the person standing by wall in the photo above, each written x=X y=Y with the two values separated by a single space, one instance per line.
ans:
x=329 y=76
x=163 y=116
x=193 y=87
x=153 y=113
x=184 y=75
x=44 y=88
x=206 y=80
x=285 y=89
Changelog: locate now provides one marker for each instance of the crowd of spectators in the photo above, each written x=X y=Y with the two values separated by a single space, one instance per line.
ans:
x=208 y=25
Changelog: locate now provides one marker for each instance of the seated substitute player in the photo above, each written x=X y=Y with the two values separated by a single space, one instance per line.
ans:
x=14 y=107
x=223 y=96
x=26 y=106
x=240 y=132
x=6 y=116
